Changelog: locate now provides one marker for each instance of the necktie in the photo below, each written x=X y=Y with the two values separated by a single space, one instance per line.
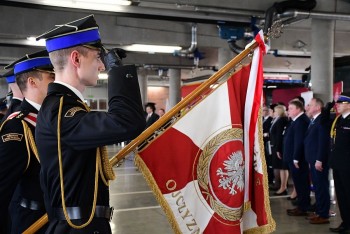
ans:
x=311 y=122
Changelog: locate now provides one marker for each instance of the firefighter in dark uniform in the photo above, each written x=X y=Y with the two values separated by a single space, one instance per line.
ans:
x=340 y=161
x=19 y=162
x=17 y=95
x=71 y=139
x=16 y=98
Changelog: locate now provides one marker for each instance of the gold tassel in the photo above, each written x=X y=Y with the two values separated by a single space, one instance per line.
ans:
x=107 y=168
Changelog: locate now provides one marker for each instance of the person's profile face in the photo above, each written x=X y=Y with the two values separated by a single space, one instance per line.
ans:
x=293 y=111
x=343 y=107
x=91 y=66
x=43 y=83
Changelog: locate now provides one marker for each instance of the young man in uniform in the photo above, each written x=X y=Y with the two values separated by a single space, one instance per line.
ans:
x=339 y=161
x=74 y=167
x=19 y=162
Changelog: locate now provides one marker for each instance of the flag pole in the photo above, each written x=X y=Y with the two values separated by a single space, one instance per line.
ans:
x=37 y=225
x=165 y=118
x=182 y=104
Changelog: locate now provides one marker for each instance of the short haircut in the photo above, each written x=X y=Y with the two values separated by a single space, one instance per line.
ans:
x=21 y=79
x=301 y=99
x=59 y=57
x=319 y=102
x=297 y=103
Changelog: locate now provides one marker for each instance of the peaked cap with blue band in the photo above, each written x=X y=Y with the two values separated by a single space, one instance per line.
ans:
x=36 y=61
x=10 y=76
x=344 y=98
x=79 y=32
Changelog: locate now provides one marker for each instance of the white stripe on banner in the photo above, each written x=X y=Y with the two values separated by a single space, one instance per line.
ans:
x=186 y=207
x=247 y=116
x=210 y=116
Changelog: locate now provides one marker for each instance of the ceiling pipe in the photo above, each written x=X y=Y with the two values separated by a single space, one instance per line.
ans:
x=315 y=15
x=280 y=7
x=189 y=51
x=234 y=47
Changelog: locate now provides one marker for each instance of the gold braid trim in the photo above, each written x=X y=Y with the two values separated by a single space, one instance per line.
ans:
x=334 y=129
x=29 y=135
x=98 y=155
x=159 y=196
x=106 y=165
x=61 y=176
x=271 y=224
x=27 y=145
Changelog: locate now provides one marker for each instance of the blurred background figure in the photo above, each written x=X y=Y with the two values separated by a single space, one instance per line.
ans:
x=267 y=119
x=150 y=114
x=280 y=168
x=161 y=112
x=3 y=107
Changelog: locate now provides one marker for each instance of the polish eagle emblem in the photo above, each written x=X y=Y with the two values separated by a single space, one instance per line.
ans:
x=231 y=176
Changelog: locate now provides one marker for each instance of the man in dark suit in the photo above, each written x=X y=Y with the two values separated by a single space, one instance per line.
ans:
x=293 y=154
x=19 y=162
x=151 y=116
x=340 y=161
x=267 y=119
x=316 y=145
x=71 y=139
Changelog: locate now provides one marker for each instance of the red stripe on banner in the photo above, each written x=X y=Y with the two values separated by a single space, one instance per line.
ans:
x=255 y=109
x=215 y=223
x=177 y=153
x=258 y=203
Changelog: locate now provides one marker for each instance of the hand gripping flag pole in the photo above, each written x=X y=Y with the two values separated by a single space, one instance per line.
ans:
x=172 y=115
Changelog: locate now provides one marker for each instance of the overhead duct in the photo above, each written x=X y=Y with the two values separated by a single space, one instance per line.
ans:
x=189 y=51
x=234 y=47
x=315 y=15
x=280 y=7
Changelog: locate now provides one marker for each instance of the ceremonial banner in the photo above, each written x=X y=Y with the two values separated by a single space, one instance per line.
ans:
x=206 y=168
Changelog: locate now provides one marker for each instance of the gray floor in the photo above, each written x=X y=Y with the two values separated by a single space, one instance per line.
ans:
x=137 y=211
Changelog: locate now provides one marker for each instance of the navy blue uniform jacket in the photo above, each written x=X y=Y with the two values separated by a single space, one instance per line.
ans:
x=81 y=133
x=14 y=169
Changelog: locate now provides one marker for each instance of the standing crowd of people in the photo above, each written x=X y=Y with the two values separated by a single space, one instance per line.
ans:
x=304 y=141
x=52 y=150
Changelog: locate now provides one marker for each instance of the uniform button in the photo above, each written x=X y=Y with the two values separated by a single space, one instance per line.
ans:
x=129 y=76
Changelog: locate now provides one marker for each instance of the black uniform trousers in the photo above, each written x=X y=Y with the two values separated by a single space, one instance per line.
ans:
x=342 y=189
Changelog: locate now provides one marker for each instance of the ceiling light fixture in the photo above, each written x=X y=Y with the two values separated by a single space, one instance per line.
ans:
x=32 y=41
x=151 y=48
x=105 y=5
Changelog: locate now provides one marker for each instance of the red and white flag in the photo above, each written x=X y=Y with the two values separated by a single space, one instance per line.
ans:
x=206 y=169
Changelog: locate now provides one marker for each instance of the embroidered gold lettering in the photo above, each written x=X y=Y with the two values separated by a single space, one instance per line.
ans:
x=185 y=213
x=171 y=185
x=12 y=137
